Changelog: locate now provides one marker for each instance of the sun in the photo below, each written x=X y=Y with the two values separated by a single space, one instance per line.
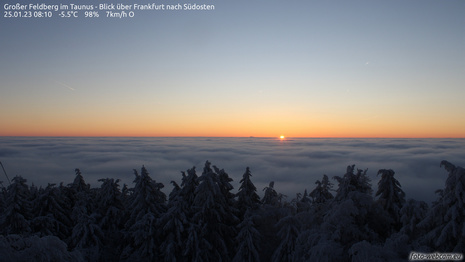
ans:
x=282 y=137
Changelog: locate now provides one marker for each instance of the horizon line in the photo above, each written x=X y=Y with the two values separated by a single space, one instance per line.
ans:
x=277 y=137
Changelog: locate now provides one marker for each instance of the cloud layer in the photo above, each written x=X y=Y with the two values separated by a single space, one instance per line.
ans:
x=294 y=164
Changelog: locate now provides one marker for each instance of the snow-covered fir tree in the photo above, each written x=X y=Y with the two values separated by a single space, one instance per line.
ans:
x=110 y=207
x=230 y=219
x=317 y=245
x=288 y=231
x=18 y=209
x=313 y=206
x=110 y=213
x=345 y=223
x=147 y=205
x=87 y=236
x=352 y=182
x=192 y=248
x=247 y=197
x=2 y=198
x=34 y=248
x=399 y=244
x=301 y=203
x=270 y=212
x=80 y=194
x=224 y=183
x=411 y=214
x=271 y=196
x=390 y=195
x=52 y=213
x=189 y=185
x=79 y=185
x=173 y=226
x=445 y=223
x=322 y=193
x=175 y=223
x=210 y=232
x=366 y=251
x=185 y=235
x=33 y=192
x=248 y=240
x=174 y=193
x=125 y=192
x=305 y=198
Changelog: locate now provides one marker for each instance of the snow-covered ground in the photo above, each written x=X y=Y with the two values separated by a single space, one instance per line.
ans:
x=202 y=220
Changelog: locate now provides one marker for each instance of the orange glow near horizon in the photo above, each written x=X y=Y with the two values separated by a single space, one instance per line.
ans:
x=261 y=123
x=180 y=130
x=97 y=134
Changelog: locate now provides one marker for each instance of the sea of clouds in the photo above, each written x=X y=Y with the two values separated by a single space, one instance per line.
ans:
x=294 y=163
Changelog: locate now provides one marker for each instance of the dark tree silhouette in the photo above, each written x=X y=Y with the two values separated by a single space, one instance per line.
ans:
x=247 y=197
x=18 y=209
x=390 y=195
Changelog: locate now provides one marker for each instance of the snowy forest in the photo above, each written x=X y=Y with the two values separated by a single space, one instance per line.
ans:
x=343 y=218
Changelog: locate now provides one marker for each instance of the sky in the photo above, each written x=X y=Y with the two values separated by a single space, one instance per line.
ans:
x=359 y=68
x=293 y=164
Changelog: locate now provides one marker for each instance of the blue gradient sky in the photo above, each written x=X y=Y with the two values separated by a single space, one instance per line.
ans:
x=261 y=68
